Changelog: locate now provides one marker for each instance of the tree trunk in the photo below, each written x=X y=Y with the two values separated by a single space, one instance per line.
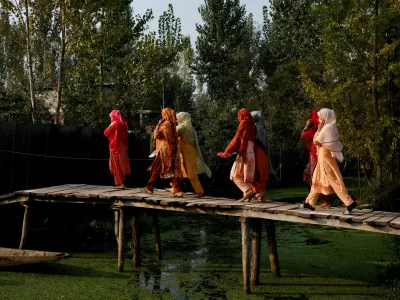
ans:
x=61 y=63
x=378 y=167
x=29 y=57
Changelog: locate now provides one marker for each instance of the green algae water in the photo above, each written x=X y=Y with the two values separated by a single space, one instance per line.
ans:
x=202 y=260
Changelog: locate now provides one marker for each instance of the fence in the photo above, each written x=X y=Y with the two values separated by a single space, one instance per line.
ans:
x=37 y=155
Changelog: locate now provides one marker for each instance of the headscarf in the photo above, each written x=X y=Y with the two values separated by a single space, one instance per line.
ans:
x=261 y=134
x=249 y=127
x=169 y=114
x=117 y=131
x=189 y=134
x=116 y=116
x=308 y=134
x=329 y=135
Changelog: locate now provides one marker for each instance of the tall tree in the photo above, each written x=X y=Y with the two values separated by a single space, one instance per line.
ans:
x=220 y=39
x=359 y=61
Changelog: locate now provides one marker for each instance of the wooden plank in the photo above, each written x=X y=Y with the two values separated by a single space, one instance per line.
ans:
x=263 y=206
x=284 y=209
x=321 y=214
x=118 y=193
x=66 y=193
x=395 y=223
x=302 y=213
x=27 y=192
x=136 y=196
x=214 y=203
x=385 y=220
x=281 y=209
x=92 y=193
x=370 y=220
x=7 y=196
x=46 y=190
x=361 y=218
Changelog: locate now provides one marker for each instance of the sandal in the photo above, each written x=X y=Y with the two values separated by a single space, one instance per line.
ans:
x=247 y=196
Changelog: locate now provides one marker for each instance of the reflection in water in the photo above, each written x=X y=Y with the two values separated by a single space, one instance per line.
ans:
x=187 y=252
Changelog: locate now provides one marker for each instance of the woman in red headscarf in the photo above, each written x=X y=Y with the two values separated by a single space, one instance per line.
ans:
x=117 y=134
x=166 y=163
x=243 y=169
x=308 y=135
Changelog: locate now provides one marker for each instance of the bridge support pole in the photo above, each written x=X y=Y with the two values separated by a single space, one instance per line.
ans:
x=24 y=232
x=135 y=240
x=255 y=251
x=245 y=254
x=156 y=228
x=272 y=248
x=116 y=224
x=121 y=240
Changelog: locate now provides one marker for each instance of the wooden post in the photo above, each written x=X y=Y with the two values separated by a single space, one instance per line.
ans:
x=135 y=241
x=24 y=233
x=272 y=248
x=245 y=254
x=116 y=224
x=255 y=251
x=121 y=241
x=156 y=227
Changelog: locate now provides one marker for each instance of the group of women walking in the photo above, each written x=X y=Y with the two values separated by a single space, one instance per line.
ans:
x=178 y=155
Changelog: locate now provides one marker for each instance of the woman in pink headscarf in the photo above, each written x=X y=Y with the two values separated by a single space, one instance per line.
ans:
x=117 y=134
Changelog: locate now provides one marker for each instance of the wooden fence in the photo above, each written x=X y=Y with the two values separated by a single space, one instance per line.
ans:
x=36 y=155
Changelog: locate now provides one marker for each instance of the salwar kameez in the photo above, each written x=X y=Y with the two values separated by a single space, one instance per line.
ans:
x=327 y=179
x=117 y=134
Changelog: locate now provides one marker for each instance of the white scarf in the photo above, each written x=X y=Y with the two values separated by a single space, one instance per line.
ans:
x=329 y=135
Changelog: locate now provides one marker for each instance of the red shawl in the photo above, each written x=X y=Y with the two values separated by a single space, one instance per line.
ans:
x=245 y=132
x=117 y=132
x=308 y=134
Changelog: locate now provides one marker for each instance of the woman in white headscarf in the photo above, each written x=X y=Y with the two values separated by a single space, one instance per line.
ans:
x=191 y=159
x=327 y=178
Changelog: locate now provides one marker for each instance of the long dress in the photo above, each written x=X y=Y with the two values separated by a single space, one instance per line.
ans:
x=119 y=161
x=188 y=158
x=166 y=163
x=243 y=169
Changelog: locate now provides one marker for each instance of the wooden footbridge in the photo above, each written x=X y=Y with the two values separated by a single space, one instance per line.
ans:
x=130 y=202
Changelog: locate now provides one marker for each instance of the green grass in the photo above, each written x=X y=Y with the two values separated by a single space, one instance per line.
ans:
x=202 y=260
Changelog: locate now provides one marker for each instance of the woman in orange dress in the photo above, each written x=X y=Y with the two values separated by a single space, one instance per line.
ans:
x=166 y=163
x=327 y=178
x=261 y=154
x=117 y=134
x=308 y=135
x=243 y=169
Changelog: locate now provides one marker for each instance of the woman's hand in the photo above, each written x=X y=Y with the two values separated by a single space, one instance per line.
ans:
x=223 y=155
x=307 y=124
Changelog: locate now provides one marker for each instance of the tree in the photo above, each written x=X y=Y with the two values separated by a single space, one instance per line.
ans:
x=220 y=39
x=356 y=75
